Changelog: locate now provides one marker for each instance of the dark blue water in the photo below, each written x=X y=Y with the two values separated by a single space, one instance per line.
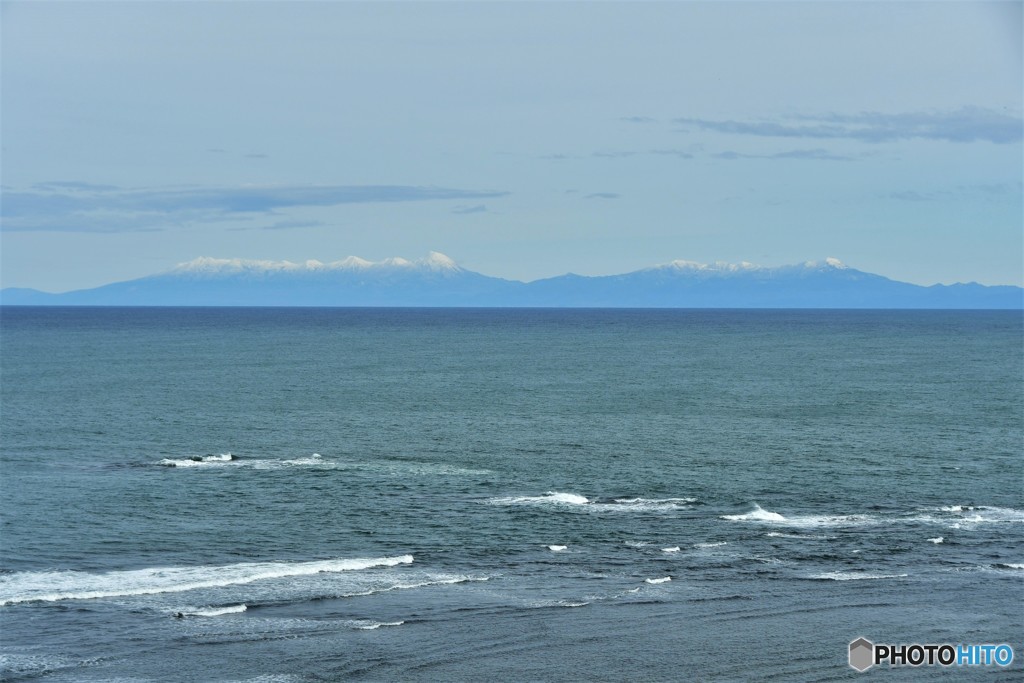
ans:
x=505 y=495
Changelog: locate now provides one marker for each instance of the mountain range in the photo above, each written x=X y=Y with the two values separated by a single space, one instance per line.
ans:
x=438 y=281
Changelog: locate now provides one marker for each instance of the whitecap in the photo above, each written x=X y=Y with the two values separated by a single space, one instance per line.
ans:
x=663 y=579
x=549 y=498
x=372 y=625
x=983 y=514
x=936 y=540
x=557 y=548
x=52 y=586
x=717 y=544
x=758 y=514
x=574 y=500
x=200 y=461
x=673 y=549
x=643 y=504
x=215 y=611
x=854 y=576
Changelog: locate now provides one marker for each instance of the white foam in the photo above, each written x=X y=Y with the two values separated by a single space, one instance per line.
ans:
x=981 y=514
x=373 y=625
x=673 y=549
x=711 y=545
x=557 y=548
x=648 y=503
x=32 y=663
x=199 y=461
x=855 y=576
x=549 y=498
x=215 y=611
x=936 y=540
x=315 y=459
x=758 y=514
x=574 y=500
x=73 y=585
x=663 y=579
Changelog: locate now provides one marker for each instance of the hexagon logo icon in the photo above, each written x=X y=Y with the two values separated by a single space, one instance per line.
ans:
x=862 y=654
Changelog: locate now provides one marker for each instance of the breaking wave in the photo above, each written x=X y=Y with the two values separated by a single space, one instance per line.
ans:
x=575 y=501
x=759 y=514
x=215 y=611
x=73 y=585
x=854 y=576
x=365 y=625
x=200 y=461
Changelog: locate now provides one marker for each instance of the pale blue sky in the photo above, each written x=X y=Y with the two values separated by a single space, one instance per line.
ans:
x=524 y=140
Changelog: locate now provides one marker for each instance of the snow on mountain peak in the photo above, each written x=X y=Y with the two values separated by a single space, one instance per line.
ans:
x=438 y=262
x=205 y=265
x=829 y=262
x=717 y=266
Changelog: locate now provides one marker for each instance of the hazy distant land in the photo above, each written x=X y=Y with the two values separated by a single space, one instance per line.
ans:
x=437 y=281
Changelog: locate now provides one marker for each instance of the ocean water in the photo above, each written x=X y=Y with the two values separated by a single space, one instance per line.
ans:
x=469 y=495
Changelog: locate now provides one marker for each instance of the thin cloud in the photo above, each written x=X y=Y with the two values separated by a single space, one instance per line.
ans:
x=603 y=195
x=799 y=154
x=67 y=185
x=614 y=155
x=638 y=119
x=990 y=192
x=477 y=208
x=682 y=154
x=969 y=124
x=66 y=209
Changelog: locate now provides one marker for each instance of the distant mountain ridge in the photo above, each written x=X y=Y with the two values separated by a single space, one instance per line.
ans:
x=437 y=280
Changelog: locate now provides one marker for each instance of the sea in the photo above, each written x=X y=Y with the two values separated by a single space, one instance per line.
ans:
x=291 y=495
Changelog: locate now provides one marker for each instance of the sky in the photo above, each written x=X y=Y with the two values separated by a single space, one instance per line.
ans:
x=522 y=139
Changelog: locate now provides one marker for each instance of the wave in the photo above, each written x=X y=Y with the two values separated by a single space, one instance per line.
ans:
x=664 y=579
x=214 y=611
x=557 y=548
x=229 y=460
x=759 y=514
x=55 y=586
x=936 y=540
x=549 y=498
x=716 y=544
x=547 y=604
x=365 y=625
x=975 y=514
x=199 y=460
x=854 y=576
x=673 y=549
x=576 y=501
x=1008 y=565
x=652 y=503
x=35 y=664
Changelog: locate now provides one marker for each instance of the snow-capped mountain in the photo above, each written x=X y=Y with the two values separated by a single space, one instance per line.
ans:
x=437 y=280
x=206 y=267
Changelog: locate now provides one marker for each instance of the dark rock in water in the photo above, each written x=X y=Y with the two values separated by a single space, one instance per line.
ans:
x=196 y=458
x=232 y=457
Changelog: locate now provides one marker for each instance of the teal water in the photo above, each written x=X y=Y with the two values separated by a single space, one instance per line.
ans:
x=501 y=494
